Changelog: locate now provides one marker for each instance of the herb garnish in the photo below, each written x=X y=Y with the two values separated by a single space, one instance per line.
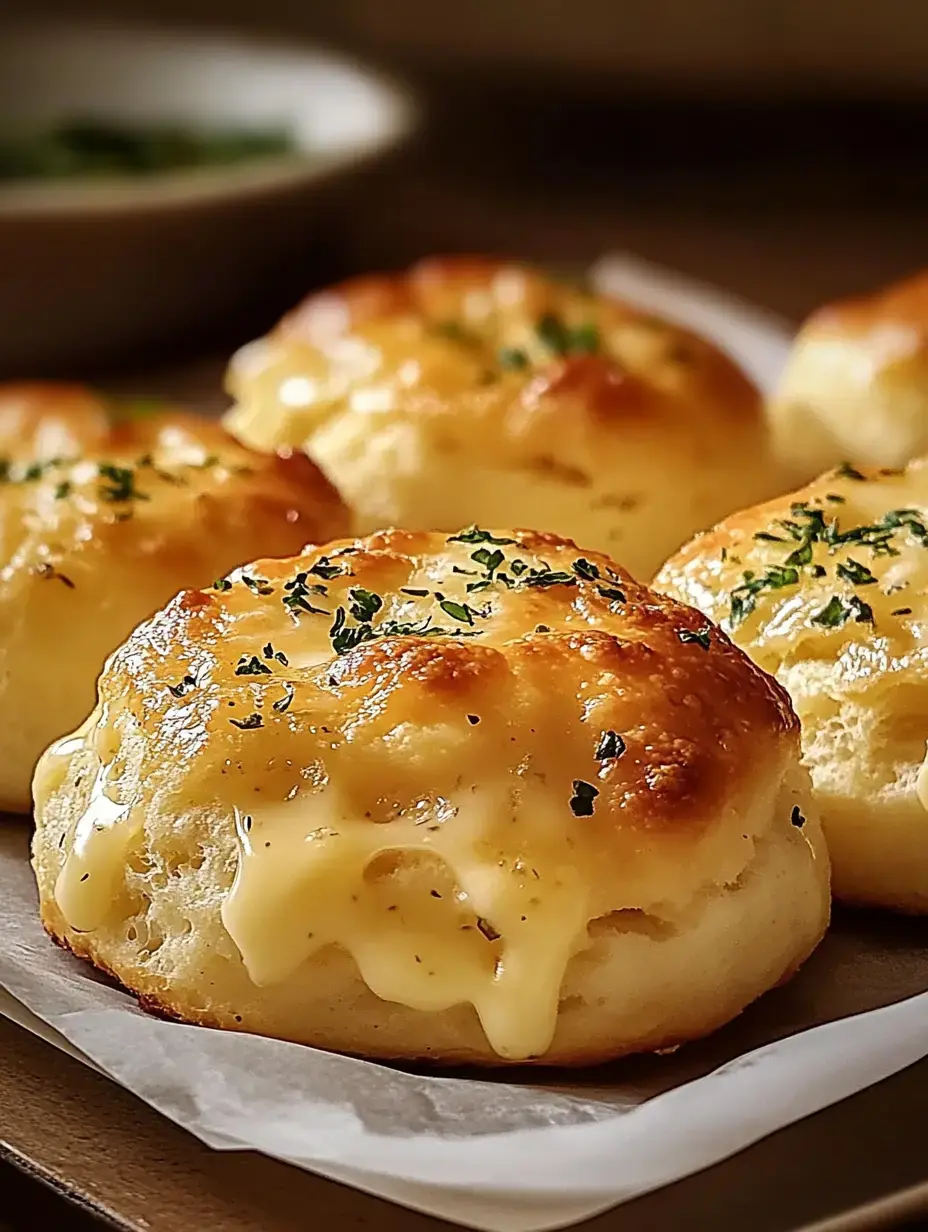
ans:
x=251 y=667
x=611 y=746
x=282 y=705
x=120 y=485
x=744 y=596
x=485 y=927
x=222 y=584
x=270 y=653
x=846 y=471
x=489 y=560
x=512 y=358
x=564 y=340
x=364 y=604
x=700 y=636
x=796 y=817
x=178 y=690
x=459 y=611
x=252 y=721
x=419 y=628
x=474 y=534
x=857 y=574
x=616 y=597
x=585 y=568
x=326 y=570
x=63 y=489
x=835 y=613
x=297 y=597
x=346 y=637
x=50 y=574
x=581 y=802
x=548 y=577
x=258 y=586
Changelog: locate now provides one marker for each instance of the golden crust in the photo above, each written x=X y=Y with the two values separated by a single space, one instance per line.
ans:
x=678 y=694
x=106 y=510
x=902 y=303
x=475 y=389
x=558 y=751
x=825 y=588
x=856 y=384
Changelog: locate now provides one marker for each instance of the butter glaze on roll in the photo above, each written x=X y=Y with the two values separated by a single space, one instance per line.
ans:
x=856 y=384
x=826 y=589
x=469 y=389
x=478 y=798
x=106 y=511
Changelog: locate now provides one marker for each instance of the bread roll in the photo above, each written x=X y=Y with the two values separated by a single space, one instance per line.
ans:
x=825 y=589
x=856 y=384
x=476 y=798
x=106 y=511
x=475 y=390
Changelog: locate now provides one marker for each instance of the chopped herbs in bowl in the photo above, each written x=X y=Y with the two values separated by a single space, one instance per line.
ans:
x=80 y=148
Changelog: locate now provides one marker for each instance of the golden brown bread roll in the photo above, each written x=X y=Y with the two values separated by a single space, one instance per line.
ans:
x=105 y=513
x=470 y=389
x=825 y=589
x=473 y=798
x=856 y=384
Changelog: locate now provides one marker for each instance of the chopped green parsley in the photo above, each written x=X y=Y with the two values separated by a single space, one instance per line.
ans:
x=836 y=613
x=585 y=569
x=581 y=802
x=610 y=747
x=701 y=637
x=251 y=666
x=513 y=359
x=474 y=534
x=282 y=705
x=855 y=573
x=363 y=604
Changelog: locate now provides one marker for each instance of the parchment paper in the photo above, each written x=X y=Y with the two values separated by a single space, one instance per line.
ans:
x=520 y=1151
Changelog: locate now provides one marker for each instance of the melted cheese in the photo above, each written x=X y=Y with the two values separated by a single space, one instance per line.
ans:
x=429 y=954
x=497 y=935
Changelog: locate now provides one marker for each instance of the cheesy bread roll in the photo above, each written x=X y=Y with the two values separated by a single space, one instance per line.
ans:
x=825 y=589
x=106 y=511
x=474 y=390
x=467 y=798
x=856 y=384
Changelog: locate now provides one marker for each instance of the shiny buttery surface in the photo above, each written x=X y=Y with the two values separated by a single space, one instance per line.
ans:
x=106 y=510
x=826 y=589
x=451 y=758
x=470 y=389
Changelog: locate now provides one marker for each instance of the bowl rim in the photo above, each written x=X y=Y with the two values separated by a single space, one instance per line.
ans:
x=186 y=187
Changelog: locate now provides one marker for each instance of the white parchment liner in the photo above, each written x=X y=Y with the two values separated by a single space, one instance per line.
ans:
x=513 y=1152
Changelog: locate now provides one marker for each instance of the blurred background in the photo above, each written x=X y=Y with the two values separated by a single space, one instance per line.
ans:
x=775 y=147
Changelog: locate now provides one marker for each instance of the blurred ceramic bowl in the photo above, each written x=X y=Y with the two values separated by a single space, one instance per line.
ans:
x=96 y=267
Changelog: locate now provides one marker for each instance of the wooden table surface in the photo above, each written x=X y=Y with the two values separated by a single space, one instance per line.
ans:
x=785 y=206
